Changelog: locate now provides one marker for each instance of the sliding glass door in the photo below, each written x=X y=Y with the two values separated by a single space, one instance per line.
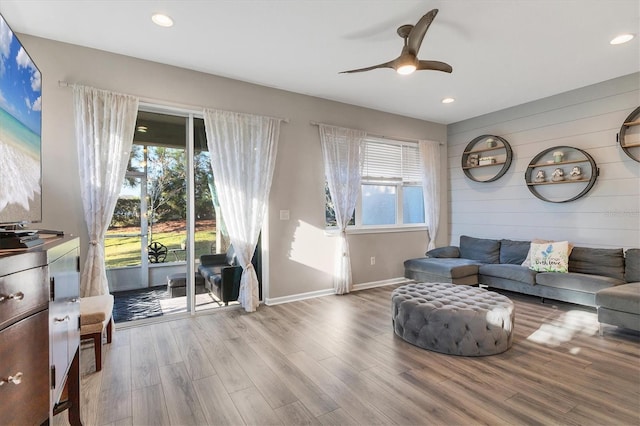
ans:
x=164 y=220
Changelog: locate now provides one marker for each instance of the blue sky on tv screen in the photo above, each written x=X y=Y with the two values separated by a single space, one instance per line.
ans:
x=20 y=81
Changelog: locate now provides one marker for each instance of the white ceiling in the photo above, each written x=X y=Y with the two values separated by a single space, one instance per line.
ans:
x=503 y=52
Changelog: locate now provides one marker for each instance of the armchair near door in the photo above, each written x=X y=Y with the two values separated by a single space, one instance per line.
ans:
x=221 y=275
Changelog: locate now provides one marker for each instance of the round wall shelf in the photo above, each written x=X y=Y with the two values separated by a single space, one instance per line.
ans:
x=629 y=135
x=486 y=158
x=547 y=170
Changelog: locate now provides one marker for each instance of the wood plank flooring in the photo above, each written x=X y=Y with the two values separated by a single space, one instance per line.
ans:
x=335 y=361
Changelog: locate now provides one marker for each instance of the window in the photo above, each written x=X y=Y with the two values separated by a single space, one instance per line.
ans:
x=391 y=188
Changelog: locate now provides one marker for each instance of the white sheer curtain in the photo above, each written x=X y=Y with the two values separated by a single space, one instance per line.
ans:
x=430 y=168
x=104 y=124
x=243 y=155
x=343 y=153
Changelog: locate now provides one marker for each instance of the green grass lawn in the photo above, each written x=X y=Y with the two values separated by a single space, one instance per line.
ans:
x=125 y=251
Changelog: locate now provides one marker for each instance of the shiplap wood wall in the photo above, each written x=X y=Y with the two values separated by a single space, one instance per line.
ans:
x=588 y=118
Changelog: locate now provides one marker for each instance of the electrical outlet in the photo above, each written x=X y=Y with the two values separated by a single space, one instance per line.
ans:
x=373 y=260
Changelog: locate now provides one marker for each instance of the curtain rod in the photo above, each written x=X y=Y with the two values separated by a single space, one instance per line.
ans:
x=391 y=138
x=171 y=104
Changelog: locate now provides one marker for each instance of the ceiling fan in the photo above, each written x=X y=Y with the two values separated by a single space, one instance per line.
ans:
x=408 y=61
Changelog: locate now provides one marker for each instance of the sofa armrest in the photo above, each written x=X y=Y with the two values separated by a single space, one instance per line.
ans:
x=230 y=288
x=444 y=252
x=213 y=259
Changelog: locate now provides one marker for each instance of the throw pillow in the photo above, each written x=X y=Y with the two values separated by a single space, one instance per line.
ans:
x=550 y=257
x=448 y=251
x=527 y=260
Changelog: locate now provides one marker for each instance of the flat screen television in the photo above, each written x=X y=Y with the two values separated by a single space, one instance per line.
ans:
x=20 y=132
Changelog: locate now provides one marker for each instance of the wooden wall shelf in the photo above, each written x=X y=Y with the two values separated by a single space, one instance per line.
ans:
x=542 y=162
x=483 y=165
x=631 y=149
x=558 y=182
x=501 y=149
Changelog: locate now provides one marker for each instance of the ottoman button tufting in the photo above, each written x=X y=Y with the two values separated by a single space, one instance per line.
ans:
x=465 y=319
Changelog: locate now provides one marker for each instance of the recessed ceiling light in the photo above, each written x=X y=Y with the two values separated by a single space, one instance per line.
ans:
x=142 y=129
x=622 y=38
x=447 y=100
x=162 y=20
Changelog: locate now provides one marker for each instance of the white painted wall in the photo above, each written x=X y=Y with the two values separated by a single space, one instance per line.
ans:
x=588 y=118
x=300 y=255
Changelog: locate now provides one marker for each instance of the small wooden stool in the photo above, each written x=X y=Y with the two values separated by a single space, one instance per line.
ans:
x=95 y=316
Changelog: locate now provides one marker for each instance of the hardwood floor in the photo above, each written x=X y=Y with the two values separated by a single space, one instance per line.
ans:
x=335 y=361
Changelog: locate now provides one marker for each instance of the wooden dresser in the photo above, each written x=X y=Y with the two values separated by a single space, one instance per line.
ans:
x=40 y=333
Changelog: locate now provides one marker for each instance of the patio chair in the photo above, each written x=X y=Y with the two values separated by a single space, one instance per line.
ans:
x=221 y=274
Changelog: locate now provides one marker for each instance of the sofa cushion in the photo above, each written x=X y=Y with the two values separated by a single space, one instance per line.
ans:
x=445 y=267
x=632 y=265
x=623 y=298
x=448 y=251
x=597 y=261
x=209 y=271
x=514 y=252
x=510 y=272
x=576 y=281
x=480 y=249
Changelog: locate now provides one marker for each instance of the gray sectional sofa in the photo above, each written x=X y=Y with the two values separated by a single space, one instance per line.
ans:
x=497 y=264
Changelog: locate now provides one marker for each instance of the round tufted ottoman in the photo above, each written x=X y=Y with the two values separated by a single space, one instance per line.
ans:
x=453 y=319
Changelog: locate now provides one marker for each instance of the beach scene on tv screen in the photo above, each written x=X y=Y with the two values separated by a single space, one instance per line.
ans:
x=20 y=131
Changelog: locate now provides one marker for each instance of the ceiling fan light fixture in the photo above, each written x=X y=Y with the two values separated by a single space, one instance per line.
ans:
x=622 y=38
x=162 y=20
x=406 y=64
x=406 y=69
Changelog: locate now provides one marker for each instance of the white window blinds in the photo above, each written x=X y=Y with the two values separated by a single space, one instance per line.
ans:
x=391 y=161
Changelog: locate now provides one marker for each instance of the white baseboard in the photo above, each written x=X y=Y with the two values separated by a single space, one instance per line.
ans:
x=299 y=296
x=382 y=283
x=328 y=292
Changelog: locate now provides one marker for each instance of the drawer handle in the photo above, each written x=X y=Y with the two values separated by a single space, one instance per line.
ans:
x=66 y=318
x=18 y=296
x=16 y=380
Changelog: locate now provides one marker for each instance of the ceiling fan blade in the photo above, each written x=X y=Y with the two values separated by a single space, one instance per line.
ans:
x=419 y=30
x=385 y=65
x=434 y=65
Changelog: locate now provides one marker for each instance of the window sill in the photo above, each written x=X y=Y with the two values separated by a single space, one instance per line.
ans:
x=332 y=232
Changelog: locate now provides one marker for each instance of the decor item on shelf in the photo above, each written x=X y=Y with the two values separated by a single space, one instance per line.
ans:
x=557 y=175
x=583 y=175
x=576 y=173
x=485 y=161
x=631 y=148
x=557 y=156
x=501 y=155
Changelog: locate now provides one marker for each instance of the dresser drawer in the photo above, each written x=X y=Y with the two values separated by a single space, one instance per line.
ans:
x=25 y=349
x=23 y=293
